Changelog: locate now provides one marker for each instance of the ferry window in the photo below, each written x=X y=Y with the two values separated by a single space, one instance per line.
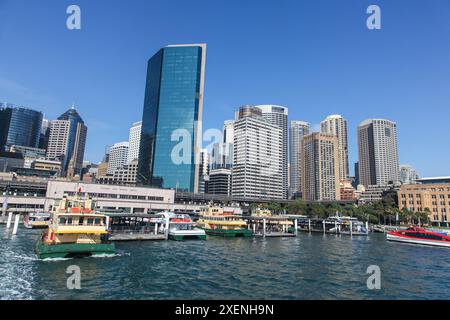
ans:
x=98 y=221
x=90 y=221
x=69 y=221
x=81 y=221
x=62 y=220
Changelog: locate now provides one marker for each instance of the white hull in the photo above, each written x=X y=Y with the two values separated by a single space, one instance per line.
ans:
x=392 y=237
x=354 y=233
x=193 y=232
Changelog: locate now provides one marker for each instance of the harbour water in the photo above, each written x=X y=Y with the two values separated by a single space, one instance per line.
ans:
x=310 y=266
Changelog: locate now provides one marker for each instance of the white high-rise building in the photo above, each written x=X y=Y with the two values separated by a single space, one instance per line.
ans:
x=278 y=116
x=378 y=153
x=298 y=130
x=204 y=170
x=118 y=156
x=134 y=141
x=408 y=175
x=228 y=131
x=337 y=125
x=258 y=157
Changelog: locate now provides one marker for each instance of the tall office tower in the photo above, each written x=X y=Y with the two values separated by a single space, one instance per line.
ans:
x=204 y=170
x=44 y=135
x=67 y=141
x=408 y=175
x=221 y=156
x=105 y=158
x=222 y=152
x=171 y=135
x=258 y=157
x=378 y=154
x=320 y=167
x=298 y=130
x=134 y=141
x=228 y=131
x=247 y=111
x=278 y=115
x=337 y=125
x=118 y=156
x=19 y=126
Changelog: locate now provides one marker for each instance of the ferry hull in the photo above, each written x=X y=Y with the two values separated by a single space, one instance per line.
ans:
x=181 y=237
x=36 y=225
x=229 y=233
x=392 y=237
x=45 y=251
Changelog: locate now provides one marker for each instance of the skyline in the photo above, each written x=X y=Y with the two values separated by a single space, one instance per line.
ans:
x=240 y=66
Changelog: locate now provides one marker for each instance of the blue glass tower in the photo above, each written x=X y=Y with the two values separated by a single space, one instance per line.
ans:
x=169 y=152
x=19 y=126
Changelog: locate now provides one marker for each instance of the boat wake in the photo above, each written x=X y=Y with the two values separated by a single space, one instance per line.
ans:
x=106 y=255
x=102 y=255
x=15 y=276
x=55 y=259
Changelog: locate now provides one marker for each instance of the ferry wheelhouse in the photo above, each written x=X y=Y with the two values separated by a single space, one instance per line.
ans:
x=37 y=220
x=417 y=235
x=75 y=230
x=216 y=222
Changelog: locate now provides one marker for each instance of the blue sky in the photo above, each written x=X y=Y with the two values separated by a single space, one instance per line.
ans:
x=316 y=57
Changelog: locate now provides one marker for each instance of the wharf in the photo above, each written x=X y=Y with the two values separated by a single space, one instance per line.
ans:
x=136 y=237
x=136 y=227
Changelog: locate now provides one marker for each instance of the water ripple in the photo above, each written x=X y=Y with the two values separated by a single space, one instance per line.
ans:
x=306 y=267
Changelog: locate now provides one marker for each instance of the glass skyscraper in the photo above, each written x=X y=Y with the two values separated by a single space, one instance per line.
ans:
x=169 y=153
x=19 y=126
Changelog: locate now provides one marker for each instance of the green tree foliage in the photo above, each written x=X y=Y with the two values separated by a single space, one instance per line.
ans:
x=381 y=212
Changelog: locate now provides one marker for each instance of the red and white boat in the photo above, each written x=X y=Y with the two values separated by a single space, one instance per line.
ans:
x=417 y=235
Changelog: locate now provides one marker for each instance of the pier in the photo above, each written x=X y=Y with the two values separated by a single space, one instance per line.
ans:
x=272 y=226
x=136 y=227
x=334 y=225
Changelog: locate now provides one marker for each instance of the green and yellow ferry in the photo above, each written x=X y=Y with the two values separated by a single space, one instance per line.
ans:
x=216 y=222
x=75 y=230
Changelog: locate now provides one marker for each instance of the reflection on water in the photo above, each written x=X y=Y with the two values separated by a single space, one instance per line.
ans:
x=307 y=267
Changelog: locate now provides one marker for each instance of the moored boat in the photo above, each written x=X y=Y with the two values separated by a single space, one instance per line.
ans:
x=417 y=235
x=181 y=227
x=216 y=222
x=350 y=226
x=36 y=220
x=75 y=230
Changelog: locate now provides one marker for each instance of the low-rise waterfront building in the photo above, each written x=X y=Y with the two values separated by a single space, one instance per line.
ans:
x=431 y=198
x=347 y=191
x=112 y=197
x=47 y=165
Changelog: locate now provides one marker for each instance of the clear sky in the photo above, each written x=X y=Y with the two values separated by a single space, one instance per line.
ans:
x=315 y=57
